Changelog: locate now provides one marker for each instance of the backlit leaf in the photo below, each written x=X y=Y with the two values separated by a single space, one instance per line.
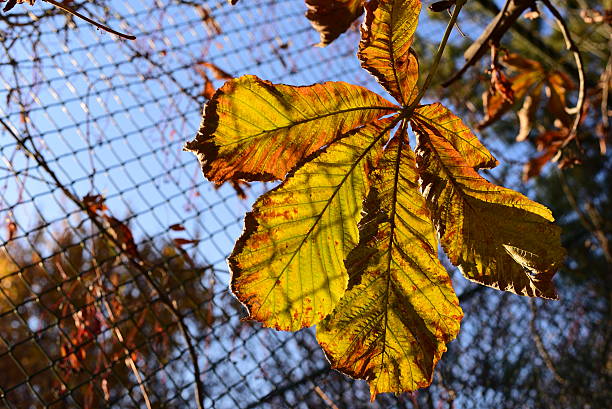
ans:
x=384 y=50
x=332 y=17
x=496 y=105
x=288 y=266
x=527 y=83
x=451 y=128
x=392 y=325
x=255 y=130
x=496 y=236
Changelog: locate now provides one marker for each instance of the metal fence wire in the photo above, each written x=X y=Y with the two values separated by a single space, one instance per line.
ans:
x=113 y=279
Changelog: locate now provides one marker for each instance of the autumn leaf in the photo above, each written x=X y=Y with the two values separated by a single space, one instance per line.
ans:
x=180 y=242
x=348 y=239
x=216 y=71
x=94 y=203
x=452 y=129
x=496 y=105
x=122 y=234
x=392 y=326
x=277 y=125
x=332 y=17
x=531 y=77
x=209 y=89
x=287 y=267
x=384 y=50
x=496 y=236
x=548 y=143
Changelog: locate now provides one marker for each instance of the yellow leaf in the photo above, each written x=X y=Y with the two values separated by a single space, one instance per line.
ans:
x=332 y=17
x=392 y=325
x=288 y=266
x=384 y=50
x=451 y=128
x=255 y=130
x=496 y=236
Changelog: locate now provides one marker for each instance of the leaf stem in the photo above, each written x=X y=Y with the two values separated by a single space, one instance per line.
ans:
x=441 y=47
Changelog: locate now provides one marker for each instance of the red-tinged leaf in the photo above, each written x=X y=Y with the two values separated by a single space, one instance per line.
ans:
x=332 y=17
x=180 y=242
x=519 y=63
x=239 y=187
x=496 y=236
x=386 y=36
x=95 y=203
x=177 y=227
x=500 y=84
x=551 y=138
x=255 y=130
x=549 y=143
x=535 y=165
x=123 y=235
x=496 y=105
x=217 y=72
x=209 y=89
x=11 y=228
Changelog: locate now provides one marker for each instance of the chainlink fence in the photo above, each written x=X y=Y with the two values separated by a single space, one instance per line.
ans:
x=113 y=280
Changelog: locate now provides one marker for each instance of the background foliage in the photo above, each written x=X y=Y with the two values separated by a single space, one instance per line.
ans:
x=110 y=117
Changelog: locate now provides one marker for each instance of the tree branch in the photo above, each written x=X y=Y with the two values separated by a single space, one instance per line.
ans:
x=502 y=22
x=573 y=48
x=72 y=11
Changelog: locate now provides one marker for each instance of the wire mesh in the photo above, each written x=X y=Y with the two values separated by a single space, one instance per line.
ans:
x=99 y=301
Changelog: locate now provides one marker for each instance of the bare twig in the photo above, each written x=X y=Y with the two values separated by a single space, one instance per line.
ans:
x=540 y=345
x=590 y=221
x=605 y=89
x=440 y=51
x=573 y=48
x=111 y=315
x=492 y=34
x=75 y=13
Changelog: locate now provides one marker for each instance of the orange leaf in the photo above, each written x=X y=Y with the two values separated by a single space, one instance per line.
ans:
x=386 y=36
x=496 y=236
x=278 y=125
x=182 y=242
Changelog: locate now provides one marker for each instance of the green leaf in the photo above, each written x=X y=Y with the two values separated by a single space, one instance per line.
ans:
x=391 y=327
x=496 y=236
x=332 y=17
x=386 y=36
x=255 y=130
x=287 y=267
